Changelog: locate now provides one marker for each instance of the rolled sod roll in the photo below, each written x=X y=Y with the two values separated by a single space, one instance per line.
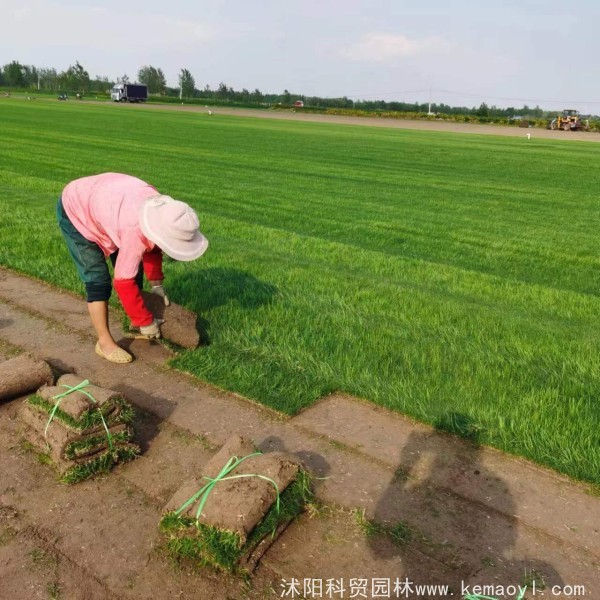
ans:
x=180 y=323
x=238 y=505
x=77 y=403
x=65 y=444
x=241 y=517
x=22 y=375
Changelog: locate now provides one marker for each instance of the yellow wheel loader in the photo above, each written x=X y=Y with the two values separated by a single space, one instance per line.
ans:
x=570 y=120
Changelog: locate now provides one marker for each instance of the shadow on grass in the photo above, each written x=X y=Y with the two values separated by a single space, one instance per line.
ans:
x=206 y=289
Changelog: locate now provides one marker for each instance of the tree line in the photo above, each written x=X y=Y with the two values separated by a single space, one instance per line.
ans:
x=77 y=79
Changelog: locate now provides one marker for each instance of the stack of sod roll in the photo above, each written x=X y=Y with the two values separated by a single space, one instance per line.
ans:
x=82 y=428
x=230 y=516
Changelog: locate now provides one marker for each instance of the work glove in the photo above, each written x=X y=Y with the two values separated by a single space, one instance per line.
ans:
x=159 y=290
x=151 y=331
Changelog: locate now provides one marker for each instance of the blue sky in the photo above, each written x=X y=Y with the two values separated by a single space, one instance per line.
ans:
x=505 y=53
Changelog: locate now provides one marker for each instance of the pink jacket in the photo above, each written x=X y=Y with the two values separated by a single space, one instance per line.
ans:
x=105 y=209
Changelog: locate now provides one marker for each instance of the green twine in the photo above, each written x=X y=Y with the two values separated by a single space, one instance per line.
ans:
x=203 y=493
x=78 y=388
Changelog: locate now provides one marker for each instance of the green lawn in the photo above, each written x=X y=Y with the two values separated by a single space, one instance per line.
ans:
x=454 y=278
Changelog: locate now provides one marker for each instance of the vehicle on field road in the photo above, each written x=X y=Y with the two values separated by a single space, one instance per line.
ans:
x=570 y=120
x=129 y=92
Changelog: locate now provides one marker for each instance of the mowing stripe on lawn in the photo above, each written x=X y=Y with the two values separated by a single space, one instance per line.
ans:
x=434 y=274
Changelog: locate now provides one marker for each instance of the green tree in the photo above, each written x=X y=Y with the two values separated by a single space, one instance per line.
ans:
x=48 y=79
x=223 y=91
x=101 y=84
x=14 y=74
x=75 y=78
x=154 y=78
x=257 y=96
x=187 y=84
x=30 y=76
x=483 y=110
x=123 y=79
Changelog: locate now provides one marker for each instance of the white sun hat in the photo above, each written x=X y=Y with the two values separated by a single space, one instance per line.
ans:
x=174 y=227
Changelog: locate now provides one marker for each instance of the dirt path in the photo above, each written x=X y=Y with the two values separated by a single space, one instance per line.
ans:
x=421 y=125
x=442 y=511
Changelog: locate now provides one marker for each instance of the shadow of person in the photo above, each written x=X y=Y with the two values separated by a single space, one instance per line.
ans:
x=451 y=518
x=203 y=290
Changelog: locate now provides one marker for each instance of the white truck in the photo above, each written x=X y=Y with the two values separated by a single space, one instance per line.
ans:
x=129 y=92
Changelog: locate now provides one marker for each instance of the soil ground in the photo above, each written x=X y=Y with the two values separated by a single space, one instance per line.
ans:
x=395 y=499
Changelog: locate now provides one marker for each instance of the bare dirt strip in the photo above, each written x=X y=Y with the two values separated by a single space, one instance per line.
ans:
x=421 y=125
x=462 y=514
x=416 y=124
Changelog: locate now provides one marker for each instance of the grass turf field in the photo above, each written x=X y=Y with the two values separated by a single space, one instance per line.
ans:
x=450 y=277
